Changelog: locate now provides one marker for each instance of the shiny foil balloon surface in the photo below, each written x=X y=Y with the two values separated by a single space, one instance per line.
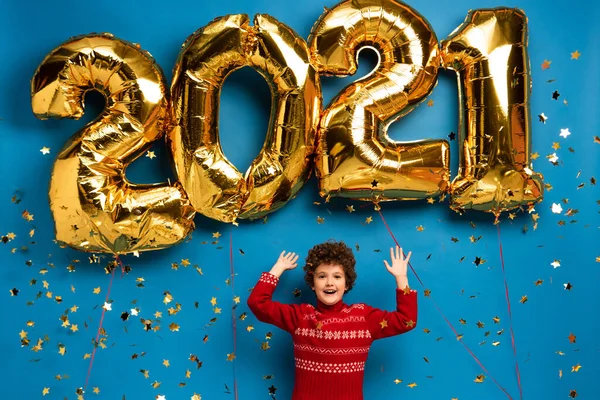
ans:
x=355 y=157
x=215 y=186
x=95 y=208
x=489 y=53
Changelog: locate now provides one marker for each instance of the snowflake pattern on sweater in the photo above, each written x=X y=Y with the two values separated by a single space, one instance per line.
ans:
x=331 y=343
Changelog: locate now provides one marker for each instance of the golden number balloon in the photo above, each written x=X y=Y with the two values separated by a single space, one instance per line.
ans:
x=489 y=52
x=355 y=157
x=95 y=208
x=215 y=187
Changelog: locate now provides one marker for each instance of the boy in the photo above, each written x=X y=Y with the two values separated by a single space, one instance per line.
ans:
x=332 y=340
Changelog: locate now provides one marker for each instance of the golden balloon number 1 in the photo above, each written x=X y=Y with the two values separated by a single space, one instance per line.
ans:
x=355 y=157
x=489 y=52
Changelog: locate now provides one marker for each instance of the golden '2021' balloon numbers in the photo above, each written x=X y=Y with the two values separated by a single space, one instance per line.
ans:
x=96 y=209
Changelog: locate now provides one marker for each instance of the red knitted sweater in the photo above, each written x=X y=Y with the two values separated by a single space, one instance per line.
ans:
x=331 y=343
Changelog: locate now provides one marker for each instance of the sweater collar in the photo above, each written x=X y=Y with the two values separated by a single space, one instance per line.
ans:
x=324 y=308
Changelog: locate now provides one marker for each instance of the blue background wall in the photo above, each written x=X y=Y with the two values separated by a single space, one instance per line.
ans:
x=429 y=356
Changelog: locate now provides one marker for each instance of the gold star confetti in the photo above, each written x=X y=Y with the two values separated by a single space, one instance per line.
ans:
x=26 y=215
x=555 y=145
x=96 y=390
x=575 y=368
x=546 y=64
x=216 y=235
x=430 y=200
x=74 y=328
x=573 y=394
x=97 y=290
x=523 y=299
x=412 y=385
x=231 y=357
x=572 y=338
x=150 y=155
x=320 y=220
x=174 y=327
x=45 y=150
x=369 y=220
x=535 y=156
x=575 y=55
x=350 y=209
x=319 y=325
x=430 y=103
x=249 y=328
x=420 y=228
x=45 y=391
x=213 y=301
x=383 y=324
x=166 y=363
x=479 y=378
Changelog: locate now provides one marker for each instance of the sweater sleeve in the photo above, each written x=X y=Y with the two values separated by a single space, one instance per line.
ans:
x=284 y=316
x=383 y=323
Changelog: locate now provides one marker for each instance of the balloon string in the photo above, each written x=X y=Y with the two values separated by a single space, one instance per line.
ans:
x=512 y=334
x=443 y=316
x=112 y=276
x=233 y=318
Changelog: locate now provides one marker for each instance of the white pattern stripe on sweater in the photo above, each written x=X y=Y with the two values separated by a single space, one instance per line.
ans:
x=335 y=368
x=334 y=335
x=334 y=351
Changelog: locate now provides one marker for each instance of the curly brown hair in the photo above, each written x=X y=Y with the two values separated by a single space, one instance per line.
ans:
x=331 y=252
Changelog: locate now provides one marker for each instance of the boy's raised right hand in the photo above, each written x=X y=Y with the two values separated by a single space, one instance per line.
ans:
x=284 y=263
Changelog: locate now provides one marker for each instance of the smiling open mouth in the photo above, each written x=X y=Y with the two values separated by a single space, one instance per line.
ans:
x=330 y=291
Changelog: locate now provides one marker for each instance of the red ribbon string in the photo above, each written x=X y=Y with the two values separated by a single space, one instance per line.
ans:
x=443 y=316
x=512 y=334
x=233 y=317
x=112 y=276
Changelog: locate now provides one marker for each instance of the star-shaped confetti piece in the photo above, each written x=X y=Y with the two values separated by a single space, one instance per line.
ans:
x=575 y=368
x=166 y=363
x=555 y=263
x=572 y=338
x=542 y=118
x=369 y=220
x=575 y=55
x=546 y=64
x=383 y=324
x=231 y=357
x=45 y=150
x=564 y=132
x=45 y=391
x=350 y=209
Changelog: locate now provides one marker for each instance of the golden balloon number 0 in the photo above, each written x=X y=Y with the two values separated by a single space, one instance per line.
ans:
x=96 y=209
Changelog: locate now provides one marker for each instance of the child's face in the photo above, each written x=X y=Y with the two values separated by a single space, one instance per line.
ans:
x=329 y=283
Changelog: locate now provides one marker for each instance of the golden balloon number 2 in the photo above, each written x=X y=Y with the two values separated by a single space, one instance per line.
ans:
x=96 y=209
x=356 y=158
